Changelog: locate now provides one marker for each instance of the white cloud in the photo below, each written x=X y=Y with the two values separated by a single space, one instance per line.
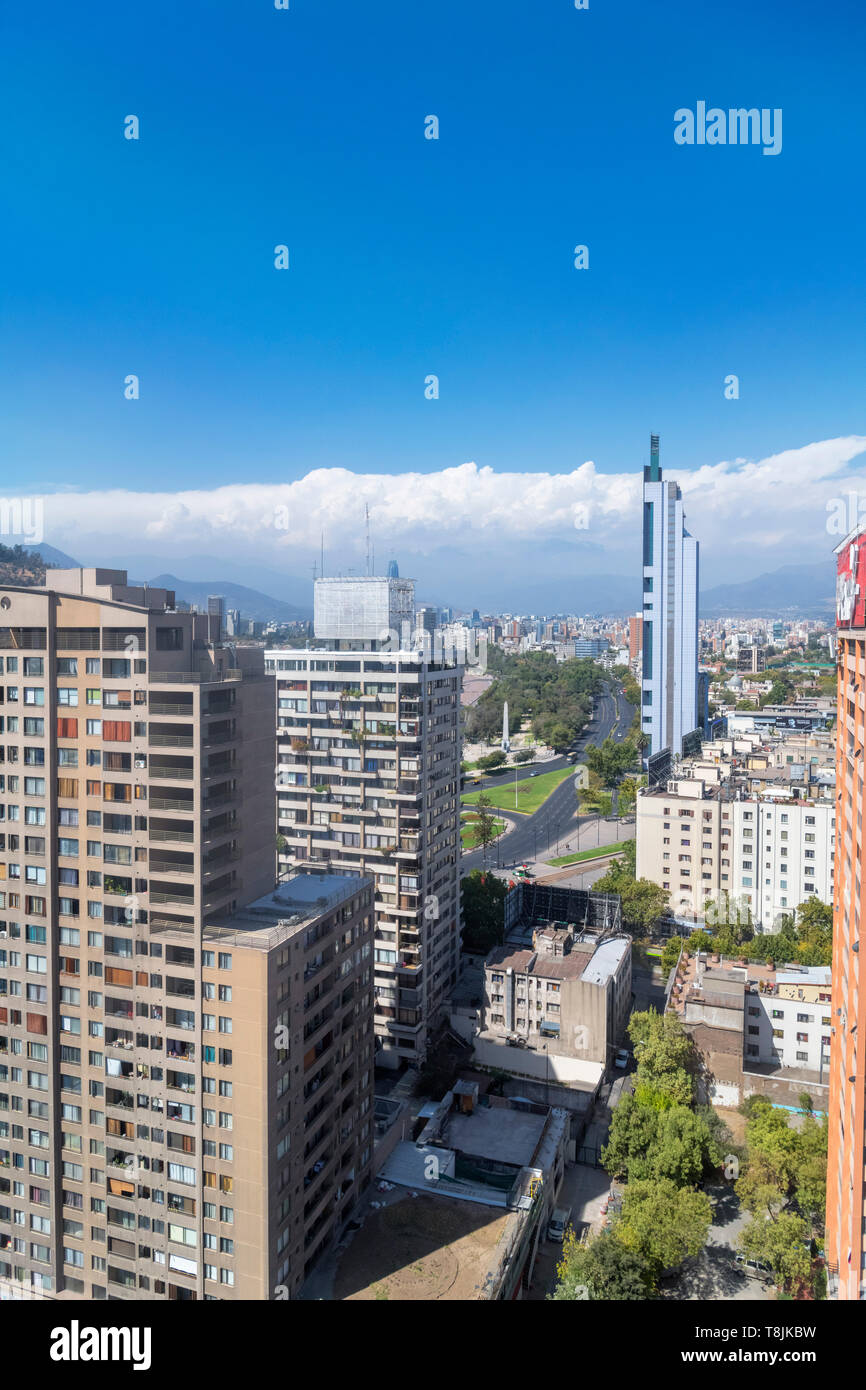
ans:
x=763 y=512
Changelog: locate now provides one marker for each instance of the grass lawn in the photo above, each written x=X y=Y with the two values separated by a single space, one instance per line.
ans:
x=596 y=853
x=467 y=831
x=532 y=792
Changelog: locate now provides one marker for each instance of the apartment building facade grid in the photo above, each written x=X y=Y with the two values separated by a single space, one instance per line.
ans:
x=702 y=845
x=369 y=747
x=144 y=1134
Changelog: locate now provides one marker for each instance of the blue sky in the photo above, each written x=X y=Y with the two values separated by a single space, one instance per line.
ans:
x=411 y=257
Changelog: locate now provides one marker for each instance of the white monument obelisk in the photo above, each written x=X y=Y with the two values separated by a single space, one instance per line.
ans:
x=506 y=741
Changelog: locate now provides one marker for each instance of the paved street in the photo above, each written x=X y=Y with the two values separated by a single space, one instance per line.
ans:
x=715 y=1274
x=584 y=1189
x=557 y=828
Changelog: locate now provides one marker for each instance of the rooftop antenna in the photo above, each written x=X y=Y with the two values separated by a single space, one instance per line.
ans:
x=369 y=542
x=322 y=571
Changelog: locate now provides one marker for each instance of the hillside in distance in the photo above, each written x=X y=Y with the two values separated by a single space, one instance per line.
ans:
x=251 y=603
x=806 y=591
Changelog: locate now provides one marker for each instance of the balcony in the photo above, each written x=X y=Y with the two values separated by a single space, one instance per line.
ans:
x=167 y=894
x=170 y=866
x=170 y=707
x=167 y=772
x=178 y=835
x=172 y=803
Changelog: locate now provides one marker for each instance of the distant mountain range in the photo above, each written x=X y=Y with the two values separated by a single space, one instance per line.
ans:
x=251 y=603
x=796 y=590
x=806 y=591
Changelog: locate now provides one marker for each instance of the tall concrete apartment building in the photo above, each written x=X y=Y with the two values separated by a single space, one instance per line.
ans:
x=155 y=1142
x=369 y=745
x=846 y=1174
x=670 y=704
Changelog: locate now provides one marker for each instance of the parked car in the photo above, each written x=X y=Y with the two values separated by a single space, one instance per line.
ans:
x=558 y=1223
x=754 y=1267
x=621 y=1059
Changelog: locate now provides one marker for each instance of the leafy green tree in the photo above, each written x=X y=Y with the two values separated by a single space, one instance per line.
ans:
x=483 y=912
x=666 y=1055
x=627 y=862
x=663 y=1223
x=632 y=1130
x=810 y=1183
x=684 y=1149
x=524 y=755
x=670 y=1142
x=786 y=1168
x=492 y=760
x=643 y=903
x=815 y=932
x=671 y=953
x=484 y=824
x=603 y=1269
x=700 y=941
x=610 y=760
x=781 y=1242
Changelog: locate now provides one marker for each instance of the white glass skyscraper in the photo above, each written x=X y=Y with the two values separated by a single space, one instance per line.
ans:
x=670 y=614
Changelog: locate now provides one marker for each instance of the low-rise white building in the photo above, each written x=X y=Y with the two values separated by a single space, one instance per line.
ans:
x=789 y=1025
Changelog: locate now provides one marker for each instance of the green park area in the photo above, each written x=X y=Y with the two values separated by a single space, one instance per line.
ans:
x=532 y=792
x=599 y=852
x=468 y=833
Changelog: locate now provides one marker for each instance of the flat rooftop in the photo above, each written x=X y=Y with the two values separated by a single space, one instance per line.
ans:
x=286 y=910
x=497 y=1133
x=606 y=961
x=586 y=960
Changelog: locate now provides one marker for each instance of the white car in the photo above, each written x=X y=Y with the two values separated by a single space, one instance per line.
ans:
x=558 y=1223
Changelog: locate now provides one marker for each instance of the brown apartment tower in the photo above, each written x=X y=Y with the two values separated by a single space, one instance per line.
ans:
x=184 y=1051
x=846 y=1175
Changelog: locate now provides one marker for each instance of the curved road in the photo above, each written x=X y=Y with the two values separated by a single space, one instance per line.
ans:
x=558 y=818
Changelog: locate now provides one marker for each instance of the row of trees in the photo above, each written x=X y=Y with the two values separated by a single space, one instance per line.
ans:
x=555 y=696
x=643 y=902
x=663 y=1145
x=782 y=1184
x=490 y=761
x=610 y=761
x=806 y=939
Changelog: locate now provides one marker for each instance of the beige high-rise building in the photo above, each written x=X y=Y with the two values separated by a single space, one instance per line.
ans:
x=147 y=1144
